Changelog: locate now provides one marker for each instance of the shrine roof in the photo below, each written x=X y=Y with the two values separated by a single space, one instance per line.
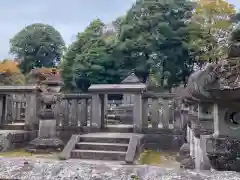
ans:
x=117 y=88
x=131 y=79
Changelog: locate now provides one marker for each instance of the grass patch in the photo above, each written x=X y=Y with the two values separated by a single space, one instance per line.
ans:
x=16 y=153
x=150 y=157
x=23 y=153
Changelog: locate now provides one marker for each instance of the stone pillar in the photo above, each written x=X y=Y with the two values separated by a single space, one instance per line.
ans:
x=96 y=111
x=1 y=110
x=31 y=118
x=8 y=110
x=137 y=113
x=166 y=113
x=128 y=98
x=105 y=99
x=178 y=120
x=84 y=112
x=74 y=113
x=145 y=112
x=155 y=113
x=204 y=162
x=103 y=110
x=192 y=146
x=218 y=115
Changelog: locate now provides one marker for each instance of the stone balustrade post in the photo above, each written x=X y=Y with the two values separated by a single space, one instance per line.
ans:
x=96 y=107
x=145 y=112
x=1 y=110
x=137 y=113
x=32 y=106
x=84 y=112
x=166 y=113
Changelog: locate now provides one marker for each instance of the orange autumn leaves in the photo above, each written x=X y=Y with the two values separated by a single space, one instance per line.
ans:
x=43 y=73
x=11 y=74
x=9 y=67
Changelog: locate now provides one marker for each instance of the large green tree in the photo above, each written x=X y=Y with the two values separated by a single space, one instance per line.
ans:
x=89 y=60
x=37 y=45
x=154 y=35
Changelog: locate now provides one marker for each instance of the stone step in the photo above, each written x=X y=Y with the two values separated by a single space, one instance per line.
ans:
x=110 y=139
x=98 y=155
x=102 y=146
x=120 y=128
x=14 y=126
x=110 y=121
x=19 y=121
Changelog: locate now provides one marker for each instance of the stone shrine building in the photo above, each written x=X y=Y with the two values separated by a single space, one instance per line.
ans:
x=130 y=79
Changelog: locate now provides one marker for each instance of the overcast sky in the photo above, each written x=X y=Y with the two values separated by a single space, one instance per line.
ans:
x=74 y=16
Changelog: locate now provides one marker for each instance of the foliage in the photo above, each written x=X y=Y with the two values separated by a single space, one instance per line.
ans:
x=154 y=35
x=38 y=75
x=215 y=19
x=37 y=45
x=9 y=66
x=10 y=73
x=89 y=59
x=160 y=40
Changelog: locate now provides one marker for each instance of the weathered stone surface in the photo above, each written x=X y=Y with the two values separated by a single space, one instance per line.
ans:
x=184 y=152
x=5 y=142
x=40 y=145
x=132 y=149
x=187 y=163
x=26 y=169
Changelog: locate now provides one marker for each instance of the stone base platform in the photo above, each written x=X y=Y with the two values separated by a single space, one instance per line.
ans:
x=10 y=139
x=45 y=145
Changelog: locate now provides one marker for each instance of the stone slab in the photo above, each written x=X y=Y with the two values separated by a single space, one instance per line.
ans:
x=66 y=153
x=132 y=149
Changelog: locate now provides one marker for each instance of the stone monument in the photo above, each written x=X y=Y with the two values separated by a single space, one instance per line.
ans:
x=47 y=139
x=213 y=131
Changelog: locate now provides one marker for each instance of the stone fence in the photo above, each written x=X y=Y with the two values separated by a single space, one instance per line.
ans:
x=159 y=112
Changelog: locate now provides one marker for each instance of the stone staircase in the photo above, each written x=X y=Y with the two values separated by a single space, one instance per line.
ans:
x=99 y=146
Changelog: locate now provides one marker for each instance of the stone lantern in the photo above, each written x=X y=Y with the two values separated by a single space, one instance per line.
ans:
x=47 y=139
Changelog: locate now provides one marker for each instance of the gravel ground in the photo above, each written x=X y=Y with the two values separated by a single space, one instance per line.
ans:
x=46 y=169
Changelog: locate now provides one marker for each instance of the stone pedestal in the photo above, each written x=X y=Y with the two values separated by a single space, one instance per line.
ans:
x=47 y=139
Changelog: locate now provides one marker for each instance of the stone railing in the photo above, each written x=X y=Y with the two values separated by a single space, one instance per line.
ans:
x=73 y=110
x=15 y=108
x=19 y=104
x=161 y=111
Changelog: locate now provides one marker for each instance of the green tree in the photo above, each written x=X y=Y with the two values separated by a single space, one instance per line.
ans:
x=154 y=35
x=215 y=19
x=89 y=59
x=37 y=45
